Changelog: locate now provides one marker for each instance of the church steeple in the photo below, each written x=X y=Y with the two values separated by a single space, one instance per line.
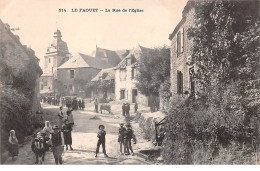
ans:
x=57 y=34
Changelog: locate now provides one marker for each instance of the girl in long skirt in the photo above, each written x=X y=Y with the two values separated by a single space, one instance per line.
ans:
x=13 y=145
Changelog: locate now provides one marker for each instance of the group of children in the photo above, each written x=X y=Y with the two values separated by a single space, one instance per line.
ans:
x=126 y=134
x=52 y=139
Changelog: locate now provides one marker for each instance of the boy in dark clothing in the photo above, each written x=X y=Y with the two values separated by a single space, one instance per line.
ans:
x=101 y=140
x=121 y=133
x=129 y=134
x=39 y=148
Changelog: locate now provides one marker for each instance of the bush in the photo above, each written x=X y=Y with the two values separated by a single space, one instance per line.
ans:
x=204 y=133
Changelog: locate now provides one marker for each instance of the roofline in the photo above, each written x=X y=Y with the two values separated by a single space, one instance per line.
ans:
x=78 y=67
x=177 y=28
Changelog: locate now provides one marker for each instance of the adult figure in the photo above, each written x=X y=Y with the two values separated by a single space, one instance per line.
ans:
x=123 y=108
x=61 y=116
x=69 y=117
x=75 y=104
x=57 y=144
x=66 y=129
x=13 y=145
x=79 y=104
x=127 y=110
x=83 y=104
x=121 y=134
x=96 y=105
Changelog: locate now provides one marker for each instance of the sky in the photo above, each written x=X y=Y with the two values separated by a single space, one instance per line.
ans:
x=39 y=19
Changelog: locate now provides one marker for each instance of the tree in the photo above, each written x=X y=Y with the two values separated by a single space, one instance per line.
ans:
x=224 y=120
x=153 y=70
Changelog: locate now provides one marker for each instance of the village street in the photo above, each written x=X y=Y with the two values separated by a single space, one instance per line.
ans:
x=84 y=137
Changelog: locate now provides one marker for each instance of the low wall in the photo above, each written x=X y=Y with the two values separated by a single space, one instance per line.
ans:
x=147 y=122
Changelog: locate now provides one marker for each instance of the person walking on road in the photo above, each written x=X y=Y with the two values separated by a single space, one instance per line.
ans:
x=129 y=135
x=13 y=145
x=57 y=144
x=101 y=140
x=61 y=116
x=121 y=133
x=123 y=108
x=69 y=117
x=127 y=110
x=39 y=148
x=96 y=105
x=83 y=104
x=66 y=129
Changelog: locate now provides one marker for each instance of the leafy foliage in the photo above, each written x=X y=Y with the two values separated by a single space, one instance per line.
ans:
x=154 y=69
x=224 y=120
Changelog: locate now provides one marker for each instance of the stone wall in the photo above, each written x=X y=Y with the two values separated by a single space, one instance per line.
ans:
x=147 y=121
x=179 y=63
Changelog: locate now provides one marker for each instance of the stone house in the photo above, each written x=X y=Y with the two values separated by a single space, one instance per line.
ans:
x=18 y=59
x=57 y=54
x=106 y=77
x=74 y=74
x=125 y=78
x=182 y=69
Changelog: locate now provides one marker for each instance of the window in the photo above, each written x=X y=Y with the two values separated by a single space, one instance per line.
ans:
x=133 y=73
x=71 y=87
x=49 y=60
x=41 y=86
x=122 y=94
x=45 y=83
x=65 y=87
x=122 y=74
x=72 y=74
x=180 y=42
x=179 y=82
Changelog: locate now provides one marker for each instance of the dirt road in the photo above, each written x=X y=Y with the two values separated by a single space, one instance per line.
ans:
x=84 y=137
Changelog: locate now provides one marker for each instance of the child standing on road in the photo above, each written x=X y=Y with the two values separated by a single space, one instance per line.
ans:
x=121 y=133
x=129 y=134
x=101 y=140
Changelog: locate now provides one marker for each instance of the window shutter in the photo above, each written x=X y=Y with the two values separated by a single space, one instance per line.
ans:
x=181 y=83
x=178 y=82
x=182 y=40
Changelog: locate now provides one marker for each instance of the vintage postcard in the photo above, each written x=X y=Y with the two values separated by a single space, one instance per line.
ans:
x=129 y=82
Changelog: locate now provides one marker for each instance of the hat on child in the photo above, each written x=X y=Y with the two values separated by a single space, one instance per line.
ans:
x=101 y=126
x=128 y=125
x=55 y=127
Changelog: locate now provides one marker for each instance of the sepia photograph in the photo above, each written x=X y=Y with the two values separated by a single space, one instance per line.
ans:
x=130 y=82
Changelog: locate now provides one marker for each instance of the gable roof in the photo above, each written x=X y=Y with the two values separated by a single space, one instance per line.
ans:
x=134 y=54
x=75 y=62
x=108 y=73
x=85 y=61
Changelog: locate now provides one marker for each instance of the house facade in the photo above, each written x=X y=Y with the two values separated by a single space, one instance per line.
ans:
x=104 y=84
x=73 y=75
x=182 y=69
x=125 y=78
x=57 y=54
